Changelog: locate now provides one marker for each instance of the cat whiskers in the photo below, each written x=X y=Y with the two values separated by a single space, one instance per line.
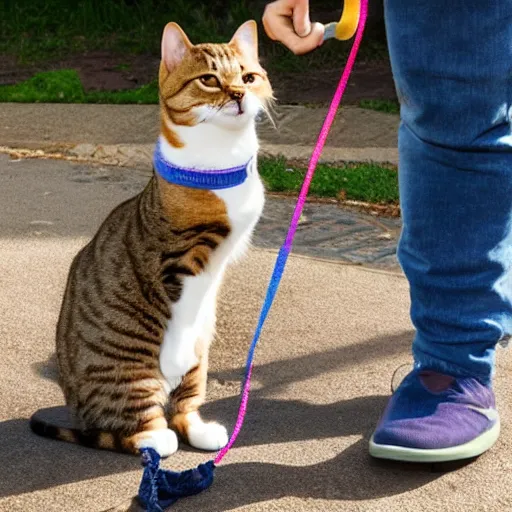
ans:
x=210 y=112
x=268 y=108
x=219 y=109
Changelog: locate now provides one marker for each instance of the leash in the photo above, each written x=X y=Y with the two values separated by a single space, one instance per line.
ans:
x=286 y=248
x=161 y=488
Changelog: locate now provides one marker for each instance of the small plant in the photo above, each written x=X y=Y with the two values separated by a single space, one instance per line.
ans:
x=50 y=87
x=388 y=106
x=122 y=67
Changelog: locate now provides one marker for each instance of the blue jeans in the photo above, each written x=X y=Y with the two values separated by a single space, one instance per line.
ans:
x=452 y=64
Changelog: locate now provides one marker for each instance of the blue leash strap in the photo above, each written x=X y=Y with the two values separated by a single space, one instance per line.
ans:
x=159 y=488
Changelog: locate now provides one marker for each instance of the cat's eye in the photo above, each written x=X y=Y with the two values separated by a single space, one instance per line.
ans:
x=210 y=80
x=249 y=78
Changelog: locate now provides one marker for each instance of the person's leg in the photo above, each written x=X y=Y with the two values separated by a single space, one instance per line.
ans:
x=452 y=64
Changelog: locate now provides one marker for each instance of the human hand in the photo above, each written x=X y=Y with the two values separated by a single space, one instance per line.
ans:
x=288 y=21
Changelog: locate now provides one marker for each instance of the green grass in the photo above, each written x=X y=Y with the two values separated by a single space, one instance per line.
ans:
x=51 y=87
x=388 y=106
x=65 y=87
x=49 y=29
x=147 y=94
x=360 y=182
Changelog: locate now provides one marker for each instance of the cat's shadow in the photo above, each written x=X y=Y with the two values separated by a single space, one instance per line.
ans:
x=30 y=463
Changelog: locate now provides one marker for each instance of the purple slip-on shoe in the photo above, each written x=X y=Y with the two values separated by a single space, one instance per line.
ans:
x=433 y=417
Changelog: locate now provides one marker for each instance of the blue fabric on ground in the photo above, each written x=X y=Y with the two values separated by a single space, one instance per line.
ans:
x=161 y=488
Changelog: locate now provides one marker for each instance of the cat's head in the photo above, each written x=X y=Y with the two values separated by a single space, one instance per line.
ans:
x=222 y=84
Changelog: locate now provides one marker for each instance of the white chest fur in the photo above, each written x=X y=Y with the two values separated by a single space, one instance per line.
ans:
x=193 y=315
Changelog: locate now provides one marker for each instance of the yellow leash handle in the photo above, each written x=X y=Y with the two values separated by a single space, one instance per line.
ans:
x=347 y=26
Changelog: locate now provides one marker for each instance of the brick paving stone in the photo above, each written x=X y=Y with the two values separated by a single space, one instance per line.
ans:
x=332 y=232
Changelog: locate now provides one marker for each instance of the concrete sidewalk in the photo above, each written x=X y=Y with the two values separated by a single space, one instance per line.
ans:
x=322 y=376
x=125 y=134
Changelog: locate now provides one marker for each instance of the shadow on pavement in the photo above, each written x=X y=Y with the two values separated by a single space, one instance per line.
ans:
x=279 y=374
x=272 y=421
x=30 y=463
x=350 y=475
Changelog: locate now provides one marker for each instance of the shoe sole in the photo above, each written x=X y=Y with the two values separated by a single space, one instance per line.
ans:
x=464 y=451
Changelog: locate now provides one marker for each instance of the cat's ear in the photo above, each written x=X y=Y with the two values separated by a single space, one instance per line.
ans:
x=246 y=39
x=175 y=43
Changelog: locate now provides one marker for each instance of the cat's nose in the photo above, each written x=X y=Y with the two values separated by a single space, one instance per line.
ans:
x=236 y=95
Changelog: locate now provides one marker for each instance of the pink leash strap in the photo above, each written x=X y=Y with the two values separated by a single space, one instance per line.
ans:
x=286 y=248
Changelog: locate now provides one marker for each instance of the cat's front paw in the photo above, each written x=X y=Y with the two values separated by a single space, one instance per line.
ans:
x=163 y=441
x=207 y=436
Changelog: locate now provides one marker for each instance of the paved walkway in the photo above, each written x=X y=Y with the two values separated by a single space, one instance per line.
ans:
x=330 y=232
x=323 y=369
x=322 y=377
x=326 y=230
x=125 y=134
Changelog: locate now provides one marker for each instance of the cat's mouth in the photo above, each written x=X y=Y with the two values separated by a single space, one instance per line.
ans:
x=234 y=108
x=232 y=113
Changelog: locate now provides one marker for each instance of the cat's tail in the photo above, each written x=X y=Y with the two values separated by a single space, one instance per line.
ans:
x=55 y=423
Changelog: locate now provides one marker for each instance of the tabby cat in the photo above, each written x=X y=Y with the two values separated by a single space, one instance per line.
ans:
x=139 y=310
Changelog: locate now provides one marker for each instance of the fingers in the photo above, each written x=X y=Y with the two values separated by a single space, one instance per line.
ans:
x=284 y=19
x=301 y=21
x=302 y=45
x=268 y=21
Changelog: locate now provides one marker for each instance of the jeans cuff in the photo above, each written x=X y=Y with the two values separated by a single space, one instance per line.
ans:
x=424 y=361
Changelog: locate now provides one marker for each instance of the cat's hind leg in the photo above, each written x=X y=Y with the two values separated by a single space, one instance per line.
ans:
x=186 y=400
x=133 y=412
x=155 y=434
